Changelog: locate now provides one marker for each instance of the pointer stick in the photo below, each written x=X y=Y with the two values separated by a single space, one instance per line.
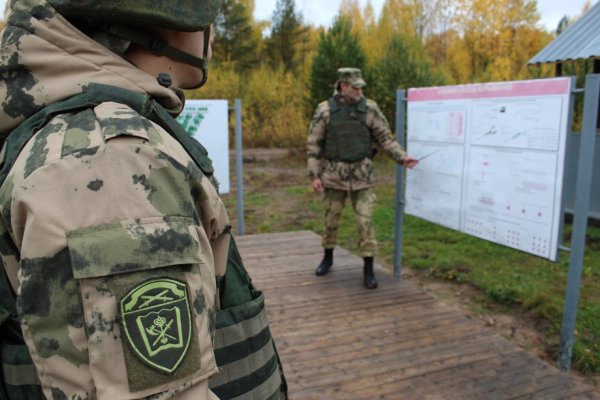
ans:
x=430 y=154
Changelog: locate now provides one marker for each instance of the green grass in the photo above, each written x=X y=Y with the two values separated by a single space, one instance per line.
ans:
x=507 y=279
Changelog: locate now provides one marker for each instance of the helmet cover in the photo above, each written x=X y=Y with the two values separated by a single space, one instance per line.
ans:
x=177 y=15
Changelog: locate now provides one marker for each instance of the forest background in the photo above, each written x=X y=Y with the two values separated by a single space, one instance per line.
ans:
x=282 y=69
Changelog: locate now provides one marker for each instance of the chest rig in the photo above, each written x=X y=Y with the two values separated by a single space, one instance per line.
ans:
x=348 y=137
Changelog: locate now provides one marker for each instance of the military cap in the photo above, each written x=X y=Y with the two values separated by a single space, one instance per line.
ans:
x=351 y=76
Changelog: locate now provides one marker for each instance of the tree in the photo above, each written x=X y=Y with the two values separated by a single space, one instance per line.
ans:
x=498 y=35
x=418 y=18
x=364 y=25
x=285 y=45
x=236 y=38
x=351 y=10
x=273 y=112
x=563 y=24
x=405 y=65
x=336 y=48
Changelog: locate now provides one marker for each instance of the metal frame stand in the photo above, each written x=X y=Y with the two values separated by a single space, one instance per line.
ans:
x=580 y=218
x=239 y=166
x=400 y=114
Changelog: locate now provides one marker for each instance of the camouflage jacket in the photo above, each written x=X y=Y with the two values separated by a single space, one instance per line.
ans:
x=342 y=175
x=101 y=205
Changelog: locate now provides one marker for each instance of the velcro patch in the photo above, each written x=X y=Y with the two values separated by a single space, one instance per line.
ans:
x=157 y=323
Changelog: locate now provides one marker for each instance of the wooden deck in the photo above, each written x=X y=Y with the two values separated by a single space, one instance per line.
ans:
x=338 y=340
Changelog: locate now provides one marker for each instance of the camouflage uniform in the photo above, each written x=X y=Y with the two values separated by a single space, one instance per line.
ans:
x=101 y=201
x=349 y=179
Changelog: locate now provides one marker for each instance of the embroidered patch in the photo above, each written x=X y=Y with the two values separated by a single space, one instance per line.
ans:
x=157 y=322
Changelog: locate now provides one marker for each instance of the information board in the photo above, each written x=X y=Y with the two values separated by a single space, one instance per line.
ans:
x=207 y=122
x=491 y=160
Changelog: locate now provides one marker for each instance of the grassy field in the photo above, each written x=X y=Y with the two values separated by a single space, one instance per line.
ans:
x=278 y=198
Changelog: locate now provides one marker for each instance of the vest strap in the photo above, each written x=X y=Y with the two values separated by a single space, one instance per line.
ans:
x=20 y=375
x=93 y=95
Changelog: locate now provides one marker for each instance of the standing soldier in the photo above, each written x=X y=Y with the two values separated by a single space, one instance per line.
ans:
x=120 y=278
x=341 y=144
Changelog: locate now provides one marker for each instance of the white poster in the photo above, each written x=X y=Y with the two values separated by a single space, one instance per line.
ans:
x=491 y=160
x=440 y=168
x=207 y=122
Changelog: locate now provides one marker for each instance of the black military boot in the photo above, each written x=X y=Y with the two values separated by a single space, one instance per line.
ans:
x=369 y=280
x=326 y=263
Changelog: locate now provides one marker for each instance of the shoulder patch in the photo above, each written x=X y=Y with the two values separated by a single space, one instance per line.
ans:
x=157 y=322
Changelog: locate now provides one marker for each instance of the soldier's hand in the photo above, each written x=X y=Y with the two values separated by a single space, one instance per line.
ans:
x=317 y=185
x=410 y=162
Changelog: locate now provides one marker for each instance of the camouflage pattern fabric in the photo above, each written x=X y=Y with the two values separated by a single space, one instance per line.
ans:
x=179 y=15
x=342 y=175
x=363 y=204
x=111 y=236
x=350 y=75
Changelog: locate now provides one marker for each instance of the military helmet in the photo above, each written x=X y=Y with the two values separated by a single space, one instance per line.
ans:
x=178 y=15
x=128 y=20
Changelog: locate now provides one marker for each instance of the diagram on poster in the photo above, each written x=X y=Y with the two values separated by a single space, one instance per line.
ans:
x=529 y=123
x=491 y=160
x=441 y=125
x=441 y=167
x=520 y=215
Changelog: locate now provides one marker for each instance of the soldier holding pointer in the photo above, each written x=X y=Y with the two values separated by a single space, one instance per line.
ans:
x=343 y=135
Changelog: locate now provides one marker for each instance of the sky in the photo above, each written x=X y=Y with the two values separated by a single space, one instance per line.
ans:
x=322 y=12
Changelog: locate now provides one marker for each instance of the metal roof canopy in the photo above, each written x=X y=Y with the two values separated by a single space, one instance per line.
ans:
x=580 y=41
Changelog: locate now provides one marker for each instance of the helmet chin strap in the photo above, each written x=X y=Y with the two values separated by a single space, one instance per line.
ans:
x=161 y=47
x=204 y=59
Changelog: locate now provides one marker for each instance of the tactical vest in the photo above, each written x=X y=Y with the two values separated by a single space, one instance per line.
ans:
x=348 y=137
x=245 y=353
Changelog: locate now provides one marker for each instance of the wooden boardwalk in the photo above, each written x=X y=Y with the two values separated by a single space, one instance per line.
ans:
x=338 y=340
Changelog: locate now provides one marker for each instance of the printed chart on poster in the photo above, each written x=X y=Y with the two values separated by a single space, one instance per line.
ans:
x=207 y=122
x=491 y=160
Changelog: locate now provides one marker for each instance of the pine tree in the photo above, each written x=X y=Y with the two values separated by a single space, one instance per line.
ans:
x=563 y=24
x=336 y=48
x=236 y=37
x=284 y=46
x=405 y=65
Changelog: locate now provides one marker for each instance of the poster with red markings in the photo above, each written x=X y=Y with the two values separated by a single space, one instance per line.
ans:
x=491 y=160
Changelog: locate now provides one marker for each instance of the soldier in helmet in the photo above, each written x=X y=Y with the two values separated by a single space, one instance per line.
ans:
x=342 y=136
x=115 y=246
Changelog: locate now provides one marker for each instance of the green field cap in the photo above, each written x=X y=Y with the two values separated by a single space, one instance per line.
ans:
x=351 y=76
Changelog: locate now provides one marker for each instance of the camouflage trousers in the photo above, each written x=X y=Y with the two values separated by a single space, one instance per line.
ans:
x=363 y=203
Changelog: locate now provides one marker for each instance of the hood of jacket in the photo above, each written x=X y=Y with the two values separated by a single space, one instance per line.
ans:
x=45 y=59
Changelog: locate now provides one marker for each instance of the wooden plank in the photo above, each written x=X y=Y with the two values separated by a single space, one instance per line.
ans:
x=456 y=379
x=338 y=340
